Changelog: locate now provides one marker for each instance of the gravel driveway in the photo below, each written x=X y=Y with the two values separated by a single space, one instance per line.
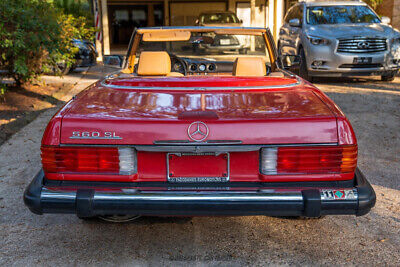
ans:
x=374 y=110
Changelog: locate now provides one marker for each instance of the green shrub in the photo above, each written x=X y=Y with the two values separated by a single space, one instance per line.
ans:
x=77 y=8
x=35 y=36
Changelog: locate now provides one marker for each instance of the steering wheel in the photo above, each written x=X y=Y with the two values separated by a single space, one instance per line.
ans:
x=178 y=64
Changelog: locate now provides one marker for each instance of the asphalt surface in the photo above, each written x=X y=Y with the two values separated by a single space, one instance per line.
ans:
x=373 y=108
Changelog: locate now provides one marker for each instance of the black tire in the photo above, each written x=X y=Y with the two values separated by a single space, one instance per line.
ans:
x=111 y=218
x=303 y=72
x=388 y=77
x=87 y=219
x=300 y=217
x=278 y=48
x=65 y=70
x=118 y=218
x=61 y=68
x=243 y=51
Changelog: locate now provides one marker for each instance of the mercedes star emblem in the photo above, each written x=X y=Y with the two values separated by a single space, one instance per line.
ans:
x=198 y=131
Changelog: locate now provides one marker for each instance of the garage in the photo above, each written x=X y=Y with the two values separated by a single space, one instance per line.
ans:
x=119 y=18
x=186 y=13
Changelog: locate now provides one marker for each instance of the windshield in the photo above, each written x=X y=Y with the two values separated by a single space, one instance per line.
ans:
x=219 y=18
x=340 y=15
x=211 y=46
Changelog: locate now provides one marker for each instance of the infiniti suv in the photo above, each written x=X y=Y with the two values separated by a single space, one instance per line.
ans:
x=342 y=38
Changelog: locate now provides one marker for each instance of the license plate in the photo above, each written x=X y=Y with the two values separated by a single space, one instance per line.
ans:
x=362 y=60
x=225 y=42
x=197 y=167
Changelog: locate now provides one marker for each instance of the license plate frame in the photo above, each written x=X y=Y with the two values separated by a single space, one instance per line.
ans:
x=176 y=178
x=362 y=60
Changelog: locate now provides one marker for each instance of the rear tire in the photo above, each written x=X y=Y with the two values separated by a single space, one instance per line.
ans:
x=303 y=67
x=119 y=218
x=111 y=218
x=300 y=217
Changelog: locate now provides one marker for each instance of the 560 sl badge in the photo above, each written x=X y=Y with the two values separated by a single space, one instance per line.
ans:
x=94 y=135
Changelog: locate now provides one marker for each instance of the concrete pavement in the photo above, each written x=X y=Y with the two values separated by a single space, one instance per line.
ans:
x=53 y=240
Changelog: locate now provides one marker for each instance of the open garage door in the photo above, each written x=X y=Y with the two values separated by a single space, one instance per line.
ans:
x=185 y=14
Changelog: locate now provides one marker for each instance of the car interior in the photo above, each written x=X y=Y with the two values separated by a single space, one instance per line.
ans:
x=184 y=53
x=158 y=63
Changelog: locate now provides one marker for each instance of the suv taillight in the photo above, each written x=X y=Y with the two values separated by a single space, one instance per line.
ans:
x=99 y=160
x=308 y=160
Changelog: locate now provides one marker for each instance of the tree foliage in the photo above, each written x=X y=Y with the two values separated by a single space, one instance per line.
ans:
x=35 y=36
x=77 y=8
x=374 y=3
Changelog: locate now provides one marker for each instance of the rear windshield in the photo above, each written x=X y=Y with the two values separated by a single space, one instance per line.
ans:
x=219 y=18
x=340 y=15
x=212 y=46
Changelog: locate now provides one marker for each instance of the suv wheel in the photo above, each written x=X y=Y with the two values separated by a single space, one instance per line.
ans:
x=303 y=67
x=388 y=77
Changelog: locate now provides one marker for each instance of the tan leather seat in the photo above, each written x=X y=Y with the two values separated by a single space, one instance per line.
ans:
x=155 y=63
x=249 y=66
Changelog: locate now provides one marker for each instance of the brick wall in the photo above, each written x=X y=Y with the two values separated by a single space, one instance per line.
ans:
x=386 y=8
x=391 y=9
x=396 y=14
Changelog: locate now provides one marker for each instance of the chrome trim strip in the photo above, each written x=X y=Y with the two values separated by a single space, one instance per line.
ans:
x=136 y=195
x=208 y=142
x=61 y=195
x=266 y=194
x=227 y=88
x=292 y=196
x=199 y=147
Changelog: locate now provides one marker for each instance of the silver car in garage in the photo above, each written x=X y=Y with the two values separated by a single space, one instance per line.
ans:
x=340 y=38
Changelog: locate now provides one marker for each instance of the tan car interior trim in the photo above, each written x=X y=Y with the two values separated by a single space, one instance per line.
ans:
x=154 y=63
x=164 y=36
x=249 y=66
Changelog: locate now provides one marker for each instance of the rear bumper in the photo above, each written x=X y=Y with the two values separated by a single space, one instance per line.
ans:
x=309 y=201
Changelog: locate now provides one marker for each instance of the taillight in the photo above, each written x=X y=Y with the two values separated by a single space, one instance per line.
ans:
x=100 y=160
x=308 y=160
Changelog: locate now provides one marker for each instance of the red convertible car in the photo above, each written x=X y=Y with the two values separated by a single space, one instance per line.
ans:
x=182 y=131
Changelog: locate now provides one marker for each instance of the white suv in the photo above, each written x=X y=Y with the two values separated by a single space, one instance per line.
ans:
x=341 y=38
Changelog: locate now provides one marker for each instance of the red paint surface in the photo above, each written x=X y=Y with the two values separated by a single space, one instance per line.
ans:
x=268 y=116
x=298 y=114
x=200 y=81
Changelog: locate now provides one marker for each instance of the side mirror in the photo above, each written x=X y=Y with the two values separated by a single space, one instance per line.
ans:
x=115 y=61
x=295 y=23
x=290 y=62
x=385 y=20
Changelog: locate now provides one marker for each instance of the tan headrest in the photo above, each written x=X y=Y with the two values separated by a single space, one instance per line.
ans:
x=249 y=66
x=154 y=63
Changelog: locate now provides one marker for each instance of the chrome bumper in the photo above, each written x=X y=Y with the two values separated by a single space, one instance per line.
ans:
x=87 y=201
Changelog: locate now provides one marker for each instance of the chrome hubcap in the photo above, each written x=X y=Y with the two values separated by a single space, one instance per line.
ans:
x=119 y=218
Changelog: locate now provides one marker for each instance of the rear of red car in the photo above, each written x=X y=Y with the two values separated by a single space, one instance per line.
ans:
x=271 y=151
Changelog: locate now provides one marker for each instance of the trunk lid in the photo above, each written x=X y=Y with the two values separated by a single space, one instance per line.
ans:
x=143 y=111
